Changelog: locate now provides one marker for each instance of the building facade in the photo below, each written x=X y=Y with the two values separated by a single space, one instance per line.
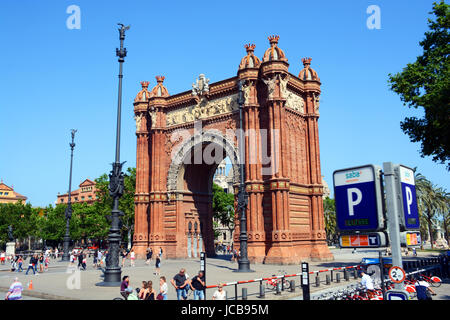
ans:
x=8 y=195
x=182 y=139
x=85 y=193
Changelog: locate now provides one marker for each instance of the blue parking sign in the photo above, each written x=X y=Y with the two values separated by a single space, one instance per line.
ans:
x=358 y=199
x=410 y=217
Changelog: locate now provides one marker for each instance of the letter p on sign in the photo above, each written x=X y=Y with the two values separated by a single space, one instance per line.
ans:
x=409 y=199
x=352 y=203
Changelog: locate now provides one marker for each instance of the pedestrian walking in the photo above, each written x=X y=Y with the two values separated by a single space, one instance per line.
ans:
x=143 y=293
x=151 y=292
x=198 y=286
x=149 y=256
x=163 y=289
x=95 y=259
x=132 y=257
x=160 y=252
x=19 y=264
x=15 y=290
x=158 y=266
x=2 y=257
x=31 y=264
x=181 y=284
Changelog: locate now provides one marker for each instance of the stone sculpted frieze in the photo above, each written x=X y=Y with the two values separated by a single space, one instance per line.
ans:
x=203 y=109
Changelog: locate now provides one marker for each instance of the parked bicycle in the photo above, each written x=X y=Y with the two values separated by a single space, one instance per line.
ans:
x=272 y=283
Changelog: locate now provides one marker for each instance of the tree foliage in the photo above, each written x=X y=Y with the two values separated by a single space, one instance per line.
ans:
x=433 y=204
x=425 y=84
x=223 y=207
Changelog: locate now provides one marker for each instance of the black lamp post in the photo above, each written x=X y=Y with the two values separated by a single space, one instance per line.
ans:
x=66 y=244
x=116 y=186
x=243 y=262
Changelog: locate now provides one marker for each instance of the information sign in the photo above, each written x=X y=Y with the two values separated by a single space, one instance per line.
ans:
x=359 y=199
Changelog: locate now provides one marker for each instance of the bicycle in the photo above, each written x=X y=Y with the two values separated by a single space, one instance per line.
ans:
x=433 y=280
x=272 y=283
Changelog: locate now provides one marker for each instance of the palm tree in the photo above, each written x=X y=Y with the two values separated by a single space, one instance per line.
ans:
x=432 y=202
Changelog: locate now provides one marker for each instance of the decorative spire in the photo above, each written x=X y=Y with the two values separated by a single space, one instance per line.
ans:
x=250 y=48
x=274 y=52
x=145 y=84
x=273 y=39
x=250 y=60
x=159 y=90
x=306 y=62
x=308 y=73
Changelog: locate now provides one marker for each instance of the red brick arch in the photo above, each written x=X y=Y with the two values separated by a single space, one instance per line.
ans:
x=280 y=117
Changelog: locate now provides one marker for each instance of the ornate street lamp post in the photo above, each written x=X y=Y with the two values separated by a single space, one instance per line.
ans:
x=243 y=262
x=66 y=244
x=116 y=186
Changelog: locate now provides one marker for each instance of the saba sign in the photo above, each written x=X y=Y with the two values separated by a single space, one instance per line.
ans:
x=409 y=220
x=359 y=199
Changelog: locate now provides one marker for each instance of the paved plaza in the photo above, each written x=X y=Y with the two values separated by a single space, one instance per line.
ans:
x=60 y=282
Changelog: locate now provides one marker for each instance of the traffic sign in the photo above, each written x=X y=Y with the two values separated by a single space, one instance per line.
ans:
x=359 y=198
x=397 y=274
x=407 y=187
x=369 y=240
x=397 y=295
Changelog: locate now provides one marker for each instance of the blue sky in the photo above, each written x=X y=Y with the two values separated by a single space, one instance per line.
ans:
x=55 y=79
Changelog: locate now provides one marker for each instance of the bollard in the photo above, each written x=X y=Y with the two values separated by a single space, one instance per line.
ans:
x=346 y=277
x=262 y=290
x=355 y=274
x=278 y=292
x=317 y=280
x=327 y=279
x=244 y=293
x=292 y=285
x=331 y=275
x=338 y=277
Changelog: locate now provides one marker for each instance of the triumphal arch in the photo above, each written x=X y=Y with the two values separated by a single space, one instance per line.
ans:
x=181 y=139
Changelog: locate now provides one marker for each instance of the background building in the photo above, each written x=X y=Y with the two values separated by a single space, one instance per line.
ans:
x=8 y=195
x=86 y=193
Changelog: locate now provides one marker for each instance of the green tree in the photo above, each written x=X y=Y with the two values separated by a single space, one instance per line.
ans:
x=223 y=208
x=329 y=211
x=126 y=202
x=426 y=83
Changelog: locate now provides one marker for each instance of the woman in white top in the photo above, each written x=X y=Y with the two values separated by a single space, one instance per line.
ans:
x=132 y=257
x=163 y=287
x=220 y=294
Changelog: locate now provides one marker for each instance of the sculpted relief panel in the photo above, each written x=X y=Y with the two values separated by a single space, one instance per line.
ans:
x=294 y=101
x=203 y=109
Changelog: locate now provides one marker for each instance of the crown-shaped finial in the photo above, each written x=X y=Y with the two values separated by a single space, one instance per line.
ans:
x=160 y=79
x=306 y=61
x=144 y=84
x=273 y=39
x=250 y=47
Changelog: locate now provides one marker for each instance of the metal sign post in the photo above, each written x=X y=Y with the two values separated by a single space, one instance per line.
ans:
x=305 y=281
x=203 y=268
x=393 y=213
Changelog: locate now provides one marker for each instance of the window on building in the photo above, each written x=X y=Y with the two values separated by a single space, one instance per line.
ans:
x=6 y=193
x=82 y=198
x=62 y=200
x=1 y=193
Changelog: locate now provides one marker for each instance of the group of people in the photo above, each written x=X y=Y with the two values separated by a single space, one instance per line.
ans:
x=180 y=282
x=423 y=289
x=37 y=263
